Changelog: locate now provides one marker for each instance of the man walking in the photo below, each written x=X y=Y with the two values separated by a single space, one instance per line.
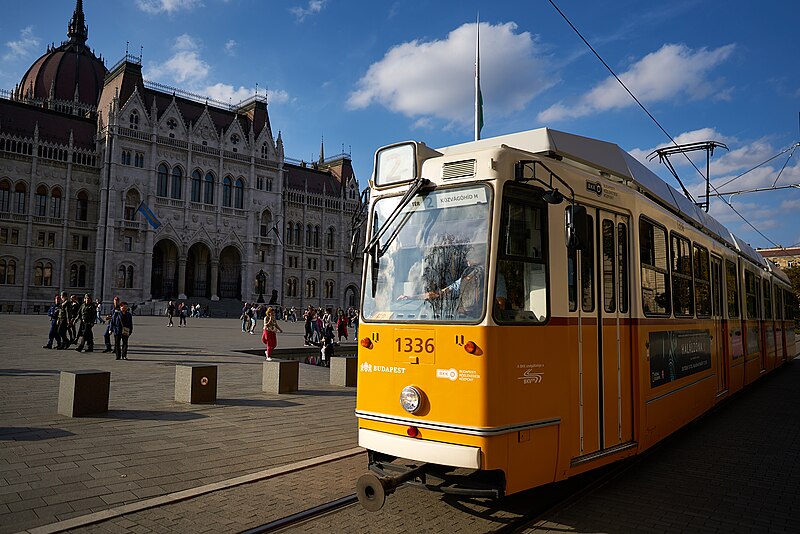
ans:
x=122 y=326
x=109 y=318
x=87 y=314
x=53 y=334
x=64 y=319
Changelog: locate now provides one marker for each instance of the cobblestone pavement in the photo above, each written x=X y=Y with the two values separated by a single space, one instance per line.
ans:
x=154 y=465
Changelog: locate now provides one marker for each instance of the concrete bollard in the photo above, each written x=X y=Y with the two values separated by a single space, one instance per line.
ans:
x=195 y=384
x=280 y=376
x=344 y=371
x=83 y=392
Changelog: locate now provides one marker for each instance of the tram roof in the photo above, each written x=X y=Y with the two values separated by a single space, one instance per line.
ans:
x=610 y=158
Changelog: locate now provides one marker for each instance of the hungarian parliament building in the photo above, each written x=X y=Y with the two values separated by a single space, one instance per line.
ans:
x=116 y=186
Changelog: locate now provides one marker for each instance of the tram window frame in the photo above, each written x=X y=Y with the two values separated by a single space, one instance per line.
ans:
x=681 y=275
x=778 y=292
x=732 y=293
x=647 y=261
x=587 y=269
x=767 y=296
x=609 y=266
x=702 y=286
x=751 y=298
x=622 y=262
x=531 y=197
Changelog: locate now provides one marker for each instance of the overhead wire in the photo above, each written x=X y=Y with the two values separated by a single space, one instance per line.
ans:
x=566 y=19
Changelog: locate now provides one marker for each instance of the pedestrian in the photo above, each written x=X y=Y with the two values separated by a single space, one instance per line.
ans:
x=269 y=337
x=245 y=319
x=122 y=326
x=88 y=315
x=170 y=313
x=341 y=326
x=181 y=314
x=74 y=308
x=99 y=306
x=64 y=317
x=52 y=313
x=109 y=331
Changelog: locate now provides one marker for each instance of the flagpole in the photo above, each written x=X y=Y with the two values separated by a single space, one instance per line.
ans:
x=478 y=104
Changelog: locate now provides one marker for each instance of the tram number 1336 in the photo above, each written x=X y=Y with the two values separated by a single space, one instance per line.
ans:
x=414 y=345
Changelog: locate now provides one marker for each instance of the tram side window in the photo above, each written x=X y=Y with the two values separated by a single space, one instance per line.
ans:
x=750 y=292
x=767 y=299
x=609 y=268
x=653 y=256
x=732 y=282
x=521 y=283
x=622 y=246
x=587 y=269
x=682 y=293
x=778 y=303
x=702 y=285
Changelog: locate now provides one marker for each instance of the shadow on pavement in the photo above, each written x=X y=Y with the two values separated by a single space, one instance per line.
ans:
x=152 y=415
x=10 y=433
x=326 y=393
x=29 y=372
x=263 y=403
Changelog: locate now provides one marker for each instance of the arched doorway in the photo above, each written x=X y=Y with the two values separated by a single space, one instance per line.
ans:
x=230 y=274
x=163 y=278
x=198 y=271
x=351 y=296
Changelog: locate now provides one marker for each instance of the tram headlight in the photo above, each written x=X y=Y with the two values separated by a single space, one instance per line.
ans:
x=411 y=399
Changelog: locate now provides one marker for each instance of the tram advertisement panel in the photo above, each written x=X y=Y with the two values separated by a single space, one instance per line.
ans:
x=677 y=354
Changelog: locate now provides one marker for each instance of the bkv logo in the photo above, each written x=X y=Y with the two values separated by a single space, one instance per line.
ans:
x=595 y=187
x=531 y=377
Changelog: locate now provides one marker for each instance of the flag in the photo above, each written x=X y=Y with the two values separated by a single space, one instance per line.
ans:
x=275 y=229
x=478 y=95
x=148 y=215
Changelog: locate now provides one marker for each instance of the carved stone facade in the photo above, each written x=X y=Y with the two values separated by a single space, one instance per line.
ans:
x=79 y=182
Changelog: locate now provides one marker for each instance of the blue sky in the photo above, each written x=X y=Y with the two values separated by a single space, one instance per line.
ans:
x=361 y=74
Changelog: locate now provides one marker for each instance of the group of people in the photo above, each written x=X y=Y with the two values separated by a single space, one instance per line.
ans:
x=71 y=323
x=323 y=324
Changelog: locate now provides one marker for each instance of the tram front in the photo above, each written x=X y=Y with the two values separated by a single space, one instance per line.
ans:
x=447 y=265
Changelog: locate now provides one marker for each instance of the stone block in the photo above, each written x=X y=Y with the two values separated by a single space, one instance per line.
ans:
x=280 y=376
x=196 y=384
x=83 y=392
x=344 y=371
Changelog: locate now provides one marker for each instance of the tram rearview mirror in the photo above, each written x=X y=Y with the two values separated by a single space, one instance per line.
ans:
x=577 y=235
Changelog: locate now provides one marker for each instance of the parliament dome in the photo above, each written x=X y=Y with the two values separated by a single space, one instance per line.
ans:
x=67 y=70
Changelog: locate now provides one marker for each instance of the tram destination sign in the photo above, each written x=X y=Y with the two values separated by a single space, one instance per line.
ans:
x=679 y=353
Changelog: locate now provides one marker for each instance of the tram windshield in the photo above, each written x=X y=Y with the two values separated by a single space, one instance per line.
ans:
x=431 y=261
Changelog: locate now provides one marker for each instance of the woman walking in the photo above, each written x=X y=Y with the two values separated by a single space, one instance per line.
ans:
x=269 y=337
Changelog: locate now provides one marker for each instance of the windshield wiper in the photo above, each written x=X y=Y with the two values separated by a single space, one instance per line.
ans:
x=415 y=188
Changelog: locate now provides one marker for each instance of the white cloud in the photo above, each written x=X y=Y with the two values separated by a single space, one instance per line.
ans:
x=22 y=47
x=674 y=71
x=185 y=65
x=225 y=93
x=435 y=79
x=155 y=7
x=230 y=47
x=314 y=7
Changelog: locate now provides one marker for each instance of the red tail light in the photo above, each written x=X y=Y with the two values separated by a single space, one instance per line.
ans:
x=366 y=343
x=471 y=347
x=413 y=432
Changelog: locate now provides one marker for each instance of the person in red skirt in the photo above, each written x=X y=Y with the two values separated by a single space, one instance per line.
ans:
x=269 y=337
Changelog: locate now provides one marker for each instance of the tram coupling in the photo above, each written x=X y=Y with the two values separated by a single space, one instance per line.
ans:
x=372 y=489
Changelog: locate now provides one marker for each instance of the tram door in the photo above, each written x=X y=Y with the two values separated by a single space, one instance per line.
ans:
x=605 y=335
x=718 y=336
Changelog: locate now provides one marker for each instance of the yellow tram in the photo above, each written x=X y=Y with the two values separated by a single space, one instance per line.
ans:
x=539 y=304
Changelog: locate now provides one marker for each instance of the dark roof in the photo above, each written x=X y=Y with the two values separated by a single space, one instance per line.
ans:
x=20 y=119
x=312 y=180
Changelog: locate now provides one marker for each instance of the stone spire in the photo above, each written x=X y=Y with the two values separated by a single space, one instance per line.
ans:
x=322 y=151
x=78 y=31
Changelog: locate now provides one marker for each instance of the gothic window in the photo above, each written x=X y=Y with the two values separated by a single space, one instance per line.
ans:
x=82 y=207
x=227 y=183
x=289 y=232
x=291 y=287
x=235 y=139
x=161 y=187
x=269 y=184
x=208 y=189
x=265 y=151
x=55 y=203
x=134 y=121
x=266 y=223
x=330 y=238
x=121 y=276
x=77 y=275
x=40 y=202
x=177 y=183
x=129 y=277
x=238 y=194
x=139 y=162
x=329 y=289
x=311 y=288
x=172 y=123
x=131 y=205
x=309 y=235
x=20 y=198
x=196 y=180
x=5 y=195
x=7 y=271
x=125 y=157
x=42 y=273
x=298 y=234
x=316 y=236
